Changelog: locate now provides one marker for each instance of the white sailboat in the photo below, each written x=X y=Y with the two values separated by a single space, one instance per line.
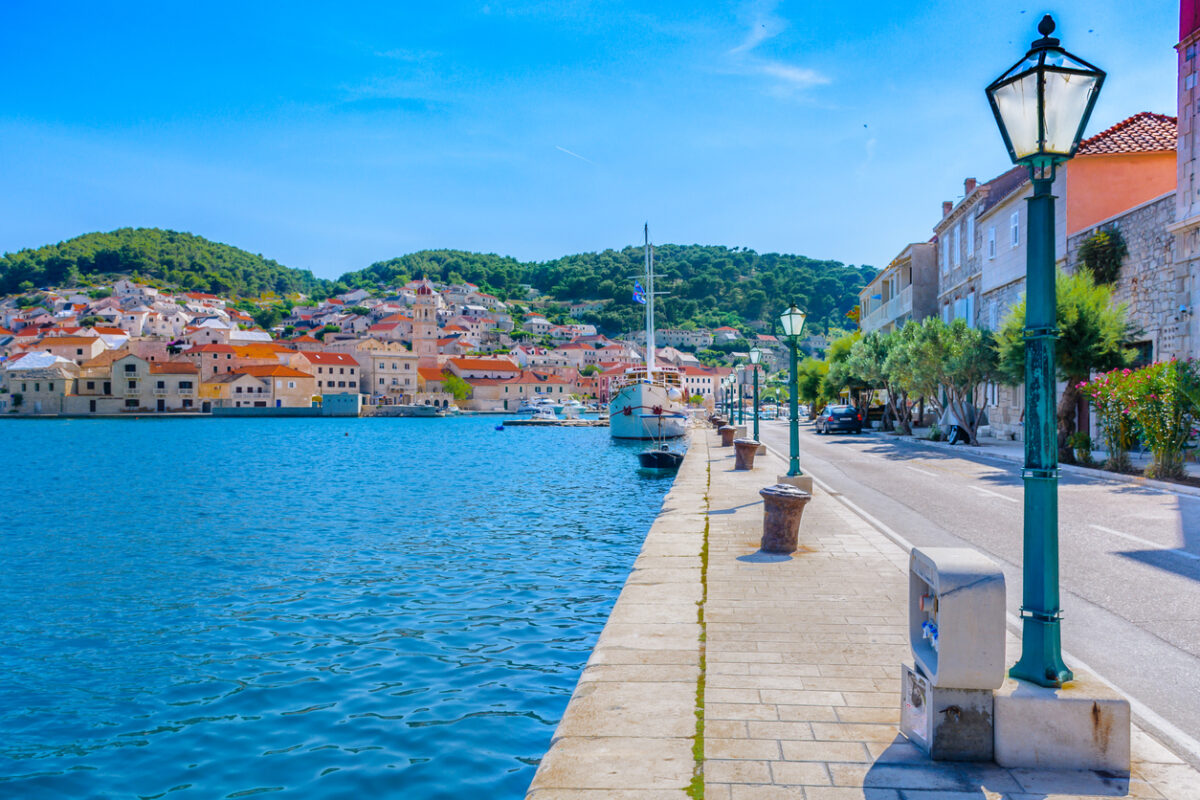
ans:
x=646 y=400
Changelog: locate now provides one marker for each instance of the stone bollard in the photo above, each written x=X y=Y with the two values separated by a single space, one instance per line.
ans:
x=718 y=422
x=739 y=431
x=727 y=433
x=783 y=506
x=744 y=451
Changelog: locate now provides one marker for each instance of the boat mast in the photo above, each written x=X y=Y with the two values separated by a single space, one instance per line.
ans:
x=649 y=305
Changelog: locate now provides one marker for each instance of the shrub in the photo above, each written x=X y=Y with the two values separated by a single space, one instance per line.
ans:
x=1161 y=403
x=1108 y=395
x=1081 y=443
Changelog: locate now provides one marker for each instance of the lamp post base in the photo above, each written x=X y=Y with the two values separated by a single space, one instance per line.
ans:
x=804 y=482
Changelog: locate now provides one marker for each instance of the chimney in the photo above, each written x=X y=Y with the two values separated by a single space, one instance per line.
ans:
x=947 y=207
x=968 y=186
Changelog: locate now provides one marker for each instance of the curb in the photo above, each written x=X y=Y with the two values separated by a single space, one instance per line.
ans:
x=1087 y=472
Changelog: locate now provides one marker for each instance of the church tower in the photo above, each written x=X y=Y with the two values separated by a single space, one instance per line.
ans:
x=425 y=329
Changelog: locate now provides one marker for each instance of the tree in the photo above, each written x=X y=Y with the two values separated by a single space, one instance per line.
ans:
x=971 y=364
x=90 y=321
x=912 y=364
x=456 y=386
x=869 y=363
x=267 y=317
x=1093 y=336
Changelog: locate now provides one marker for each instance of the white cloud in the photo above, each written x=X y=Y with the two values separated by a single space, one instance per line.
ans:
x=764 y=24
x=562 y=149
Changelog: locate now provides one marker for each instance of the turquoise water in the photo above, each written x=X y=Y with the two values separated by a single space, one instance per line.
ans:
x=303 y=608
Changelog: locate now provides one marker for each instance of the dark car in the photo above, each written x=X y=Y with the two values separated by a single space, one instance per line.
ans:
x=839 y=418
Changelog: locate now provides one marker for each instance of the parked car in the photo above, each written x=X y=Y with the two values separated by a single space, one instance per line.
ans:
x=839 y=418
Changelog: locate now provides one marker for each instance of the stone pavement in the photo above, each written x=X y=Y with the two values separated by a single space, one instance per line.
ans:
x=794 y=660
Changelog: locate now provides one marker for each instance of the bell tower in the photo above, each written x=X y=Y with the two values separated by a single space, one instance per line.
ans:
x=425 y=330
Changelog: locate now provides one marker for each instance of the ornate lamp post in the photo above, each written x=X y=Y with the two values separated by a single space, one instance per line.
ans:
x=1042 y=105
x=741 y=408
x=755 y=357
x=792 y=322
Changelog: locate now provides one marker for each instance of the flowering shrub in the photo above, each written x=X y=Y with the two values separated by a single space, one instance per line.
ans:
x=1162 y=401
x=1109 y=395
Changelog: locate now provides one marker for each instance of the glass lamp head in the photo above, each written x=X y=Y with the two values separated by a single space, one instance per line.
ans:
x=1042 y=104
x=792 y=321
x=755 y=355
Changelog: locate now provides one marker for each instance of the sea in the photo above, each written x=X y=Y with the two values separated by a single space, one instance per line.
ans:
x=301 y=608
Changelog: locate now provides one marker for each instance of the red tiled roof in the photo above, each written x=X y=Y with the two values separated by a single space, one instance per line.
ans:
x=272 y=371
x=1141 y=133
x=498 y=364
x=330 y=358
x=210 y=348
x=173 y=368
x=431 y=373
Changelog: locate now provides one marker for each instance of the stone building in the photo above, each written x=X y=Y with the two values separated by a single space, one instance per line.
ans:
x=1186 y=226
x=905 y=289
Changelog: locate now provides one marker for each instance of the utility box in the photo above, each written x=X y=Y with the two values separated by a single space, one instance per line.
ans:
x=956 y=630
x=956 y=617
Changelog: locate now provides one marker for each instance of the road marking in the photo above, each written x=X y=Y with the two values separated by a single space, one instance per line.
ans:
x=996 y=494
x=923 y=472
x=1147 y=542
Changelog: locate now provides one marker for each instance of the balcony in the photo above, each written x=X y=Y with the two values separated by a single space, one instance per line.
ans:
x=161 y=392
x=889 y=312
x=133 y=393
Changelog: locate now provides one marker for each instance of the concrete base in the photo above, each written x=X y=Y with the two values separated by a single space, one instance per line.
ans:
x=948 y=724
x=1084 y=725
x=762 y=450
x=803 y=482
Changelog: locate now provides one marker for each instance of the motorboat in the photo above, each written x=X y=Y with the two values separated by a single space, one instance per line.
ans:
x=660 y=458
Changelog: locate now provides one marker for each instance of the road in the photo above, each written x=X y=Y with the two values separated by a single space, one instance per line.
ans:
x=1130 y=555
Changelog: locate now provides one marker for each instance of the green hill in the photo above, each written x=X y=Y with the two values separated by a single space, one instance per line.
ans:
x=707 y=285
x=156 y=256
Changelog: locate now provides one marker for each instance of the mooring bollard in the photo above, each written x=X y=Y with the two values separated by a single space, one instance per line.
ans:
x=744 y=451
x=718 y=422
x=783 y=506
x=727 y=433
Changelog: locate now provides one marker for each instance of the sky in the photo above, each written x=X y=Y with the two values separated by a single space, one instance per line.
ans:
x=330 y=136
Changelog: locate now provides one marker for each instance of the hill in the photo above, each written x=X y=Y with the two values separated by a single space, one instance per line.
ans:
x=707 y=285
x=155 y=256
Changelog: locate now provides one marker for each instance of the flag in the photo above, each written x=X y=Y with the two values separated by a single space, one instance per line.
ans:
x=639 y=294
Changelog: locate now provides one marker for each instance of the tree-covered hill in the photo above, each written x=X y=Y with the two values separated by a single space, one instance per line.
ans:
x=160 y=256
x=707 y=285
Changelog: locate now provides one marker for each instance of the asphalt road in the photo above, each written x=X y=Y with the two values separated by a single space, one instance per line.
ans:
x=1130 y=555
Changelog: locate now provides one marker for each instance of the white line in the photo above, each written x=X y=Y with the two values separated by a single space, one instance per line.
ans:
x=996 y=494
x=1152 y=545
x=923 y=472
x=1178 y=740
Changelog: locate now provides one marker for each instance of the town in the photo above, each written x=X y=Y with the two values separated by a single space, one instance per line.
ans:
x=131 y=348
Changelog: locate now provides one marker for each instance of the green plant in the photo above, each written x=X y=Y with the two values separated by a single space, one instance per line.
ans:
x=1108 y=396
x=1103 y=253
x=1081 y=443
x=935 y=433
x=1093 y=336
x=1160 y=403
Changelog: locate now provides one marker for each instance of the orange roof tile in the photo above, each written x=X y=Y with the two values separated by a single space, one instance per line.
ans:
x=342 y=359
x=173 y=368
x=1142 y=133
x=497 y=364
x=431 y=373
x=273 y=371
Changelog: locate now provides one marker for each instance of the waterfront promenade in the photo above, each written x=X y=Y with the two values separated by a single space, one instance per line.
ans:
x=796 y=660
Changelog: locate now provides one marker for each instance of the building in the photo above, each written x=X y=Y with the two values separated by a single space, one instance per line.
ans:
x=425 y=325
x=37 y=383
x=283 y=387
x=334 y=372
x=905 y=289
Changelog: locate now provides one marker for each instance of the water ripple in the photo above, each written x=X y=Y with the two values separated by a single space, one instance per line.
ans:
x=232 y=608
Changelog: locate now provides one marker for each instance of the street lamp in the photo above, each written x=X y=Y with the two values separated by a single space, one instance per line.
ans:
x=1042 y=105
x=755 y=357
x=792 y=321
x=741 y=409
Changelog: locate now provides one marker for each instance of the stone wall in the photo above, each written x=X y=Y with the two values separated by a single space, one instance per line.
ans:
x=1150 y=283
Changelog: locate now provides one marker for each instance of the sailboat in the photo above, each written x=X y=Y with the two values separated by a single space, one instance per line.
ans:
x=646 y=401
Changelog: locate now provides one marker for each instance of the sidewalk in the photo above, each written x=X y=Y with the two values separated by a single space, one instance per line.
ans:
x=1012 y=450
x=803 y=665
x=791 y=664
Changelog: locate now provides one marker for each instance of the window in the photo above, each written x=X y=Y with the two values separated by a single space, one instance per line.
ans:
x=958 y=244
x=78 y=351
x=131 y=367
x=970 y=309
x=91 y=384
x=50 y=387
x=946 y=313
x=131 y=403
x=944 y=253
x=185 y=384
x=1190 y=81
x=991 y=241
x=1014 y=228
x=381 y=382
x=187 y=403
x=161 y=385
x=970 y=235
x=131 y=384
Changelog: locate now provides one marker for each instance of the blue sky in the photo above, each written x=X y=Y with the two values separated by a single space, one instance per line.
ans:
x=329 y=137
